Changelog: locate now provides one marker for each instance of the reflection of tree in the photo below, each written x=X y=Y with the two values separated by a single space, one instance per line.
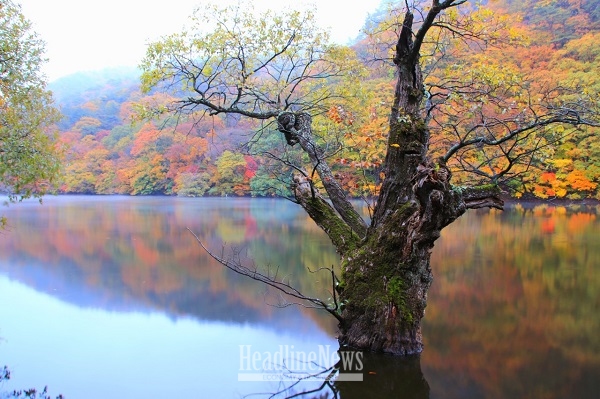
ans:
x=139 y=251
x=383 y=376
x=387 y=376
x=532 y=329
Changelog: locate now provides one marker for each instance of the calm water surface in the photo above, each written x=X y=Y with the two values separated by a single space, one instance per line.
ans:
x=111 y=297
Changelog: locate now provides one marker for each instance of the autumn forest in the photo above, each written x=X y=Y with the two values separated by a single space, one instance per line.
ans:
x=110 y=148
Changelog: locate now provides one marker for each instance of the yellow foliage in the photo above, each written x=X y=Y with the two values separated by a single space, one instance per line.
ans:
x=560 y=192
x=561 y=163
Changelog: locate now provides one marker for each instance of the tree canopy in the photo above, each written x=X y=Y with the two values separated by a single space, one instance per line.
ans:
x=29 y=158
x=230 y=61
x=445 y=118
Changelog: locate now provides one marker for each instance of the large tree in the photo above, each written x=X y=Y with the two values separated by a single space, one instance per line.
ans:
x=280 y=68
x=29 y=159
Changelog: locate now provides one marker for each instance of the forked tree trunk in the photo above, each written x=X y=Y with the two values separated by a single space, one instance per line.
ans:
x=385 y=268
x=386 y=272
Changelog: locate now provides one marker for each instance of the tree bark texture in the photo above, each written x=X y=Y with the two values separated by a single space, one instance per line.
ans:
x=297 y=128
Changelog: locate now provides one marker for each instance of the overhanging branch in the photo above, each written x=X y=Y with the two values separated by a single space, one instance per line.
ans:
x=234 y=264
x=485 y=196
x=568 y=118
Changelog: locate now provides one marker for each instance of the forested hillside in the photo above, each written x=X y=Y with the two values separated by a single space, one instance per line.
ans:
x=111 y=150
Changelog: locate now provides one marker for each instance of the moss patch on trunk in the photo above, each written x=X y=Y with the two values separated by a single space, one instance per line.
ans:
x=374 y=276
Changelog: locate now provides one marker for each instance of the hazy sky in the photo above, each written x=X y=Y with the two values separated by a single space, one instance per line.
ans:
x=94 y=34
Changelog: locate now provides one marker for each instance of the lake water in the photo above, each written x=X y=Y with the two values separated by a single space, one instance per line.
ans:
x=112 y=297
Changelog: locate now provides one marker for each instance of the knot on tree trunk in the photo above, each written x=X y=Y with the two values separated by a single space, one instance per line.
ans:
x=303 y=188
x=292 y=125
x=429 y=183
x=484 y=196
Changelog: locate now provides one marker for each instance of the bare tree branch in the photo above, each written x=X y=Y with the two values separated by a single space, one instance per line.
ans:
x=234 y=264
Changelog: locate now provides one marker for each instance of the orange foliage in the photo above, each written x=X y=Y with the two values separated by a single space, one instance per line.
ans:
x=144 y=138
x=580 y=221
x=251 y=167
x=547 y=177
x=548 y=226
x=577 y=180
x=147 y=254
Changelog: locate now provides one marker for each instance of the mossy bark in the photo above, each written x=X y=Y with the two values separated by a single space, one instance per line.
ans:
x=342 y=235
x=385 y=290
x=386 y=278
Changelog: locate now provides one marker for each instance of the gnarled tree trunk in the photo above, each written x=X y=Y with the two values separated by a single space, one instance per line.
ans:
x=386 y=279
x=385 y=268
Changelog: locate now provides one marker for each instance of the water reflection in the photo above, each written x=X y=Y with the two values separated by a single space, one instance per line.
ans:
x=513 y=310
x=388 y=377
x=381 y=376
x=116 y=289
x=136 y=254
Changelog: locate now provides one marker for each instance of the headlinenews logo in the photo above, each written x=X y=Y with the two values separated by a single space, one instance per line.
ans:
x=289 y=364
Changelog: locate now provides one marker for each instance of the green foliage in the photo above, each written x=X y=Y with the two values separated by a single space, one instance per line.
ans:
x=87 y=125
x=192 y=184
x=230 y=174
x=29 y=157
x=148 y=176
x=231 y=60
x=266 y=184
x=114 y=140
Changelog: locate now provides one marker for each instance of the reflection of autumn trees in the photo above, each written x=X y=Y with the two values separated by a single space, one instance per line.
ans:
x=140 y=250
x=512 y=311
x=536 y=264
x=519 y=302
